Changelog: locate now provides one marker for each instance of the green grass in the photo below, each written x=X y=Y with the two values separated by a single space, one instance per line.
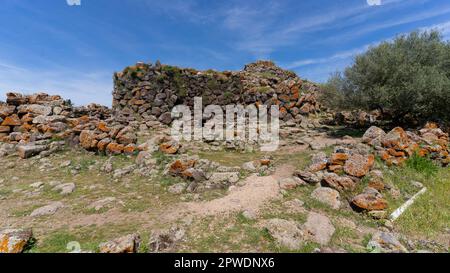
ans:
x=430 y=214
x=263 y=89
x=422 y=165
x=230 y=158
x=267 y=75
x=89 y=238
x=162 y=159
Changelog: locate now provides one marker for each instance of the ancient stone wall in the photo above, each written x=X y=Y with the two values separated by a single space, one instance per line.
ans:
x=36 y=123
x=145 y=90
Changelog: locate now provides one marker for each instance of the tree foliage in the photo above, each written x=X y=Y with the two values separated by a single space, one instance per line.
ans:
x=409 y=76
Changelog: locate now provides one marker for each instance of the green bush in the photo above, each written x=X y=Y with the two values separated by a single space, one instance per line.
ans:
x=422 y=165
x=409 y=77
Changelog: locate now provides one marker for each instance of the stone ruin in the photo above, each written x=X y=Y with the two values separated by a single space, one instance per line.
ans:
x=146 y=92
x=42 y=124
x=143 y=97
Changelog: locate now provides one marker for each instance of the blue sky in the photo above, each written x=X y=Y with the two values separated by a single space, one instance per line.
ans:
x=47 y=45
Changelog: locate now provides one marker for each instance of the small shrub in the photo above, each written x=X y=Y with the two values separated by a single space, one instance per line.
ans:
x=227 y=95
x=264 y=89
x=422 y=165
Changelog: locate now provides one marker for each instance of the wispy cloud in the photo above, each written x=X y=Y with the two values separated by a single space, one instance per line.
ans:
x=81 y=87
x=443 y=28
x=333 y=58
x=267 y=34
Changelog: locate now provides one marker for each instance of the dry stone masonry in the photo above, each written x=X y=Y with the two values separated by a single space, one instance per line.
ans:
x=146 y=92
x=41 y=123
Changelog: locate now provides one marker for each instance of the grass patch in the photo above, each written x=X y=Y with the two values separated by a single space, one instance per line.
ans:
x=422 y=165
x=430 y=214
x=230 y=158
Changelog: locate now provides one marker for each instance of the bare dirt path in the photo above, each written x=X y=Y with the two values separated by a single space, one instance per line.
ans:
x=256 y=191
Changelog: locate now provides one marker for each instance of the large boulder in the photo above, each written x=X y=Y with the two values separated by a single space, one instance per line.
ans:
x=396 y=139
x=126 y=136
x=327 y=196
x=47 y=210
x=30 y=150
x=318 y=228
x=339 y=183
x=359 y=165
x=319 y=162
x=126 y=244
x=287 y=234
x=6 y=110
x=14 y=240
x=369 y=200
x=88 y=139
x=12 y=120
x=338 y=158
x=373 y=136
x=35 y=109
x=309 y=177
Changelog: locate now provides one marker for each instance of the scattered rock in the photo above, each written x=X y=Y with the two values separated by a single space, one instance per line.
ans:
x=49 y=209
x=377 y=214
x=14 y=240
x=102 y=203
x=327 y=196
x=126 y=244
x=65 y=164
x=290 y=183
x=165 y=240
x=373 y=136
x=358 y=165
x=287 y=233
x=318 y=228
x=339 y=183
x=122 y=172
x=385 y=242
x=171 y=147
x=376 y=180
x=226 y=178
x=36 y=185
x=177 y=188
x=65 y=189
x=308 y=177
x=249 y=214
x=369 y=200
x=249 y=166
x=27 y=151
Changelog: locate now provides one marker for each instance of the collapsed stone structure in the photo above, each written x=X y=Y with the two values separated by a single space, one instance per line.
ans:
x=41 y=122
x=144 y=91
x=143 y=95
x=397 y=145
x=344 y=169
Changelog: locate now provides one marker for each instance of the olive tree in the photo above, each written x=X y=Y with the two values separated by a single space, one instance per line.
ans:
x=407 y=76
